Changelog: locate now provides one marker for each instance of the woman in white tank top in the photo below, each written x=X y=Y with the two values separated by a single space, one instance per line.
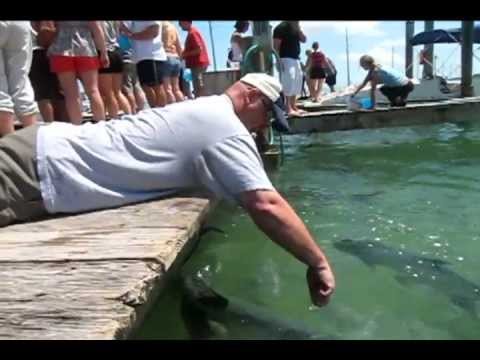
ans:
x=236 y=43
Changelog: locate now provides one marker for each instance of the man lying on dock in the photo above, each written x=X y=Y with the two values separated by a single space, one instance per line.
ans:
x=396 y=86
x=203 y=143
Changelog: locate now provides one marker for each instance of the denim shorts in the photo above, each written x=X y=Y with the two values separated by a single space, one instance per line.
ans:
x=173 y=67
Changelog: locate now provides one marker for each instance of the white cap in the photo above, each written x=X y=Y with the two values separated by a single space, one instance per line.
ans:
x=271 y=88
x=268 y=85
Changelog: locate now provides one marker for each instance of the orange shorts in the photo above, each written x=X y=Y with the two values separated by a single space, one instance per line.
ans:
x=76 y=64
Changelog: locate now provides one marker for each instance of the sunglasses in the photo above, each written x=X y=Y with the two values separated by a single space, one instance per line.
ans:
x=268 y=105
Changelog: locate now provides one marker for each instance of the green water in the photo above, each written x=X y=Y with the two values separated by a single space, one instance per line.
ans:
x=412 y=188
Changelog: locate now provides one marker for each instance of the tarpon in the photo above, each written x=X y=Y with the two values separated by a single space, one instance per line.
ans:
x=209 y=315
x=412 y=268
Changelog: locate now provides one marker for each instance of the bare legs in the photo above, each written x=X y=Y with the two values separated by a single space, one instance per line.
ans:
x=90 y=84
x=110 y=86
x=316 y=89
x=68 y=83
x=155 y=95
x=7 y=122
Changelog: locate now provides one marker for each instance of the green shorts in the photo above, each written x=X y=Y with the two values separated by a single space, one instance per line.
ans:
x=20 y=196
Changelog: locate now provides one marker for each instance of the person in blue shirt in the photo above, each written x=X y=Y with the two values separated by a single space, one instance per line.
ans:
x=396 y=86
x=130 y=85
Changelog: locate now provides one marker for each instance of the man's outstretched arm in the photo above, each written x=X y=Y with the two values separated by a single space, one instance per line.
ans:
x=276 y=218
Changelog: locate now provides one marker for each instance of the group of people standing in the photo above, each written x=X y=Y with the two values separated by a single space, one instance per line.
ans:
x=287 y=37
x=124 y=65
x=121 y=66
x=318 y=69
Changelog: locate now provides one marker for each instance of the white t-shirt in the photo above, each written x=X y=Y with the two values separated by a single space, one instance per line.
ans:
x=236 y=49
x=151 y=49
x=192 y=144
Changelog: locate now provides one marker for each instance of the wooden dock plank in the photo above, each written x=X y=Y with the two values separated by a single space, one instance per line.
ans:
x=74 y=300
x=453 y=110
x=92 y=275
x=151 y=231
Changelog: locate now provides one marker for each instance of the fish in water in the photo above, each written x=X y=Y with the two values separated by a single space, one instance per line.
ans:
x=209 y=315
x=207 y=229
x=366 y=196
x=412 y=268
x=320 y=195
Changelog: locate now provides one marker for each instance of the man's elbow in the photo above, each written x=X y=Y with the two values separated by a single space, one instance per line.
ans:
x=259 y=208
x=261 y=205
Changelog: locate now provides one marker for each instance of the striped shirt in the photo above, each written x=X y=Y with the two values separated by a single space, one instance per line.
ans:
x=74 y=38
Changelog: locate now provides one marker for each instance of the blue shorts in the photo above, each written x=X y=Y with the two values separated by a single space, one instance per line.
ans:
x=173 y=67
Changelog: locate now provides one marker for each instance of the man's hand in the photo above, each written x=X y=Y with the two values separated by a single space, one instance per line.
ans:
x=125 y=30
x=321 y=284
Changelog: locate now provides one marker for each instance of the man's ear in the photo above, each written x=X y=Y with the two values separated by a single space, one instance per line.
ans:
x=252 y=95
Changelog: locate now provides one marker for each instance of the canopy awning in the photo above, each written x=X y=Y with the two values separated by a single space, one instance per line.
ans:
x=441 y=36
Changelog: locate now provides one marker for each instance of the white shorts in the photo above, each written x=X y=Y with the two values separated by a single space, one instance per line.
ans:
x=291 y=76
x=16 y=92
